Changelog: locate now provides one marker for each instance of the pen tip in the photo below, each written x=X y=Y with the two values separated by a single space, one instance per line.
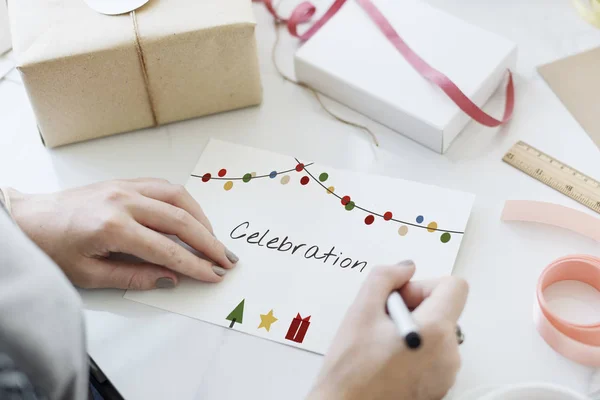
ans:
x=413 y=340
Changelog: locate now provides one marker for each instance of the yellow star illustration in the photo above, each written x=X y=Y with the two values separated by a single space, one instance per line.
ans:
x=266 y=320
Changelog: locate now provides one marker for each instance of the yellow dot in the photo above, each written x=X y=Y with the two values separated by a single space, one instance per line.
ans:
x=403 y=230
x=330 y=189
x=432 y=227
x=253 y=174
x=228 y=185
x=285 y=179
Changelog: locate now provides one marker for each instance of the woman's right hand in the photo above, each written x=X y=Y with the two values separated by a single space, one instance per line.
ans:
x=369 y=360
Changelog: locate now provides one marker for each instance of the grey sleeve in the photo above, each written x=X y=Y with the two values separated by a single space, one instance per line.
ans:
x=42 y=341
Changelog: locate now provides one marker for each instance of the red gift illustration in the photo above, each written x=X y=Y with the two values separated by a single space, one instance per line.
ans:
x=298 y=329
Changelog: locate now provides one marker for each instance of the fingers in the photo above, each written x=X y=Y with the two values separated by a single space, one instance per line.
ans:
x=153 y=247
x=435 y=299
x=124 y=275
x=171 y=220
x=414 y=292
x=445 y=302
x=384 y=280
x=175 y=195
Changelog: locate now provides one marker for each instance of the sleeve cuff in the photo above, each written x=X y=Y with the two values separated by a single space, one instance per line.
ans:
x=5 y=201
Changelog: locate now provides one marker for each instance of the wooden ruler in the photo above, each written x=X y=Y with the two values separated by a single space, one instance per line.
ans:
x=556 y=174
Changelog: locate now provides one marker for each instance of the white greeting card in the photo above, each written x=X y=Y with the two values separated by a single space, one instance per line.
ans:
x=307 y=236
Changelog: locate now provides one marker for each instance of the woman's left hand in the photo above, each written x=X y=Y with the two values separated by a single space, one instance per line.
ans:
x=80 y=228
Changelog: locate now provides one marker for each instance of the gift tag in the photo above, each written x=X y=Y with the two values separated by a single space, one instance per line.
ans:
x=115 y=7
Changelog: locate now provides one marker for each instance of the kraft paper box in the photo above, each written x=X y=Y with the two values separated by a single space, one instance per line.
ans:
x=88 y=75
x=350 y=60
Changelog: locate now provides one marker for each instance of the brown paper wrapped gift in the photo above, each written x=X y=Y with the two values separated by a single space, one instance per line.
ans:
x=90 y=75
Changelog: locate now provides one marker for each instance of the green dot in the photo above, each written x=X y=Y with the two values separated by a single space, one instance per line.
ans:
x=445 y=237
x=324 y=176
x=349 y=206
x=246 y=178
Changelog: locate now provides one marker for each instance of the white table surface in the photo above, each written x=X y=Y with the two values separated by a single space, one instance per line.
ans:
x=151 y=354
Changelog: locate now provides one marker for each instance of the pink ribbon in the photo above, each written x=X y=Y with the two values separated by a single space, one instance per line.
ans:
x=301 y=14
x=304 y=12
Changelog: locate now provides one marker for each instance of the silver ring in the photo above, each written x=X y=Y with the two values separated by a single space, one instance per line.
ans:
x=460 y=336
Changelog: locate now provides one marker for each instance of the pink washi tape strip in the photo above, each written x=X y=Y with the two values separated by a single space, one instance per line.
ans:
x=552 y=214
x=578 y=342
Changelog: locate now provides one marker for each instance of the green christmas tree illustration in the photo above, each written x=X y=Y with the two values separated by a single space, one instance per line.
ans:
x=237 y=315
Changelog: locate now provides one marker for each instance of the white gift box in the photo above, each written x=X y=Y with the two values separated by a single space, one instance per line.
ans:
x=5 y=43
x=350 y=60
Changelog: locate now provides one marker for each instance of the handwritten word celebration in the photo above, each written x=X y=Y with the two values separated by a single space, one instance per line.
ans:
x=240 y=232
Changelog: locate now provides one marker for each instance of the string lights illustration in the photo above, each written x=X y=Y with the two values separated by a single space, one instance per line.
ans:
x=345 y=200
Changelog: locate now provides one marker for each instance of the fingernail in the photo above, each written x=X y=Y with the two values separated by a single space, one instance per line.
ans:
x=165 y=283
x=218 y=270
x=231 y=256
x=406 y=263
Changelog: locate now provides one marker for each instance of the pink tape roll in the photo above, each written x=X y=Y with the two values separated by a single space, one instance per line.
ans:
x=578 y=342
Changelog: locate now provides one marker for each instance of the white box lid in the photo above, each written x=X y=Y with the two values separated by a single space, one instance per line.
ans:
x=351 y=48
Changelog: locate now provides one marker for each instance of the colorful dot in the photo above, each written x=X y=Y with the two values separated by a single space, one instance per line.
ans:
x=445 y=237
x=206 y=177
x=285 y=179
x=253 y=174
x=273 y=174
x=345 y=200
x=403 y=230
x=222 y=172
x=330 y=189
x=369 y=219
x=432 y=227
x=304 y=180
x=323 y=177
x=420 y=219
x=228 y=185
x=299 y=167
x=246 y=178
x=387 y=216
x=349 y=206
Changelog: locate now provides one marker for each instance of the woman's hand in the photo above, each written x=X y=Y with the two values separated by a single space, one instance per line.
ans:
x=80 y=228
x=369 y=360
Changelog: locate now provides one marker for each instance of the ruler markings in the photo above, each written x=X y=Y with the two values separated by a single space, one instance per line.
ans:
x=555 y=174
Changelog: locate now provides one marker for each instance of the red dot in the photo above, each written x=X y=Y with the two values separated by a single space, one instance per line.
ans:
x=299 y=167
x=387 y=216
x=304 y=180
x=345 y=200
x=222 y=172
x=369 y=220
x=206 y=177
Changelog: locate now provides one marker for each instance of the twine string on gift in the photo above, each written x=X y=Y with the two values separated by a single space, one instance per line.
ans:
x=303 y=13
x=140 y=52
